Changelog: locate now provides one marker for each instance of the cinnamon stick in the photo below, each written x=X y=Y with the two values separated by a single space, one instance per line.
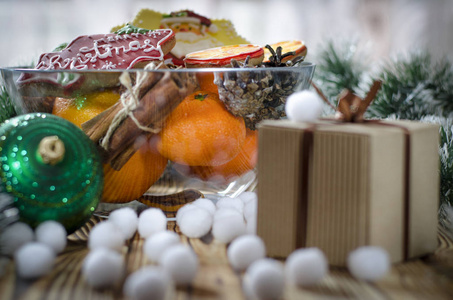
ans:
x=321 y=94
x=369 y=98
x=154 y=108
x=344 y=106
x=351 y=108
x=122 y=158
x=97 y=127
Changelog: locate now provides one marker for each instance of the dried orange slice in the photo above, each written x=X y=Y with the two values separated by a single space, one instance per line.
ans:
x=221 y=56
x=297 y=46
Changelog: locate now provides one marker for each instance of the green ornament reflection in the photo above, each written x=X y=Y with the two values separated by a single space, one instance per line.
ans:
x=66 y=189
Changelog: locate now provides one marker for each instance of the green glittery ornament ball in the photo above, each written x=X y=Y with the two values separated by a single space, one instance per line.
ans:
x=51 y=168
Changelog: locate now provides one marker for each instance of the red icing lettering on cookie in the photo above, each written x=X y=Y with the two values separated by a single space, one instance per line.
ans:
x=101 y=52
x=107 y=51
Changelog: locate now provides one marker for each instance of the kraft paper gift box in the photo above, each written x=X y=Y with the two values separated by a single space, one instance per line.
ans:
x=340 y=186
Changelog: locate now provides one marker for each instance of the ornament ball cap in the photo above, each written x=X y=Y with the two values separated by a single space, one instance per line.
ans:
x=51 y=149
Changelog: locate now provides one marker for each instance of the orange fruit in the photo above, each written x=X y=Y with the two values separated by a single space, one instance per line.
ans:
x=140 y=171
x=83 y=108
x=206 y=82
x=200 y=131
x=241 y=164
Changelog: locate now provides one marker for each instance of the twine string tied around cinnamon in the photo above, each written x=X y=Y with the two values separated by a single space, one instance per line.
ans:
x=130 y=102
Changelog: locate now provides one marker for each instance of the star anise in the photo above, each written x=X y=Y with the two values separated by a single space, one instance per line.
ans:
x=276 y=58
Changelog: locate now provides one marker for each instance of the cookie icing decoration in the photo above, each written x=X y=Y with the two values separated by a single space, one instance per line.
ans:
x=129 y=47
x=110 y=51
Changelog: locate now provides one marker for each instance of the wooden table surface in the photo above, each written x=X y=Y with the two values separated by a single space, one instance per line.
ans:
x=427 y=278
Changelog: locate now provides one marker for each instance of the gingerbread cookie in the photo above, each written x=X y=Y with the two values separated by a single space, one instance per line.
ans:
x=193 y=31
x=110 y=51
x=130 y=47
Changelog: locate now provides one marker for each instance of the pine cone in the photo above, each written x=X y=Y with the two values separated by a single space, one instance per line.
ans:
x=256 y=95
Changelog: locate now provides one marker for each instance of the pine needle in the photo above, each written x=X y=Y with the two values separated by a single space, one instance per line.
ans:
x=446 y=167
x=413 y=88
x=6 y=106
x=338 y=68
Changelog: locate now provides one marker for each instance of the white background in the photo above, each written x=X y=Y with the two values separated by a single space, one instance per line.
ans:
x=383 y=28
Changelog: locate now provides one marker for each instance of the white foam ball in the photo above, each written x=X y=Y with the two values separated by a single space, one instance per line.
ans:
x=244 y=250
x=304 y=106
x=251 y=210
x=246 y=197
x=150 y=221
x=181 y=211
x=14 y=236
x=228 y=226
x=306 y=266
x=156 y=244
x=226 y=212
x=368 y=263
x=251 y=225
x=103 y=268
x=206 y=204
x=247 y=288
x=148 y=283
x=106 y=234
x=196 y=223
x=126 y=220
x=181 y=263
x=230 y=202
x=266 y=278
x=34 y=260
x=52 y=234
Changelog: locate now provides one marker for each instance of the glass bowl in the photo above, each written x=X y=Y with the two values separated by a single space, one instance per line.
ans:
x=203 y=138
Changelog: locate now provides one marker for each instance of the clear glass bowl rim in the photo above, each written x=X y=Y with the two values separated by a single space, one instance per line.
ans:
x=301 y=66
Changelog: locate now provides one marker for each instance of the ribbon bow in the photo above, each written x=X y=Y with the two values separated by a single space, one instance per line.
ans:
x=352 y=108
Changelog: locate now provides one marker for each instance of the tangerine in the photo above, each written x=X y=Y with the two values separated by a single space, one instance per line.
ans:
x=142 y=170
x=241 y=164
x=206 y=82
x=83 y=108
x=200 y=131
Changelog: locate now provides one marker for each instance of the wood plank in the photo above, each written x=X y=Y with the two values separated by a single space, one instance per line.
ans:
x=428 y=278
x=215 y=279
x=7 y=282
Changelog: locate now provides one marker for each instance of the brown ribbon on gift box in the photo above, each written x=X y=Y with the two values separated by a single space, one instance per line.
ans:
x=351 y=108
